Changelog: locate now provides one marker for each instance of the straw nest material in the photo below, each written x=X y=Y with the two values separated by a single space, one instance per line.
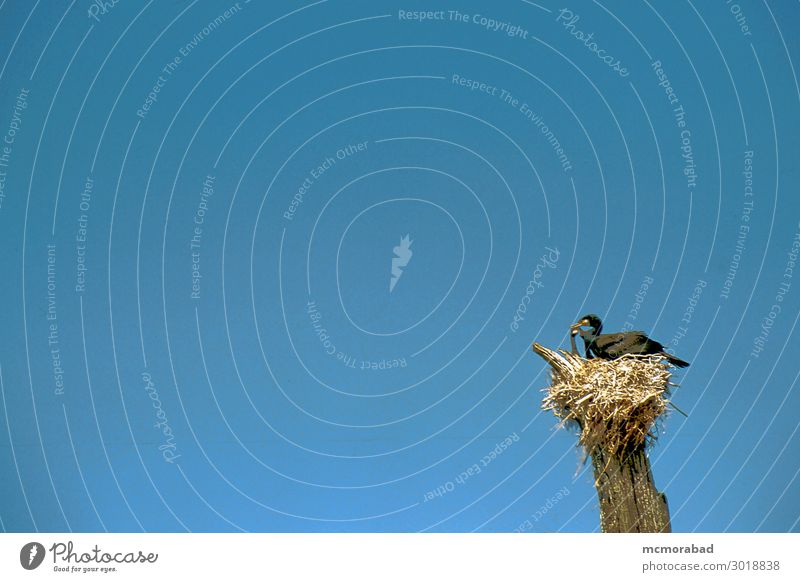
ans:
x=614 y=403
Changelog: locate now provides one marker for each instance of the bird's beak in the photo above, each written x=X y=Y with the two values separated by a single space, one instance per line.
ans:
x=580 y=323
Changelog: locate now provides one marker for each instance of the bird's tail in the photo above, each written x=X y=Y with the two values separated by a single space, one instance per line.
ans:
x=675 y=361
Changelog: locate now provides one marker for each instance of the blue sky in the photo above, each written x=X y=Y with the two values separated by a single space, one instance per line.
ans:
x=199 y=214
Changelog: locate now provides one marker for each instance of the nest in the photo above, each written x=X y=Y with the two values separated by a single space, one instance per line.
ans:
x=615 y=404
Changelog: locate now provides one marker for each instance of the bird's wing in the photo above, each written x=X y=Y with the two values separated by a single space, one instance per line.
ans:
x=613 y=340
x=632 y=342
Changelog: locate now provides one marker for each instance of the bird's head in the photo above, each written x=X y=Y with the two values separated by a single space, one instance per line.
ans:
x=591 y=321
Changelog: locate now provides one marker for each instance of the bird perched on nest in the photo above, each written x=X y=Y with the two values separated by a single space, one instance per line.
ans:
x=609 y=346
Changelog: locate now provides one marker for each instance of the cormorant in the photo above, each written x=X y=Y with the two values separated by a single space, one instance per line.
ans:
x=609 y=346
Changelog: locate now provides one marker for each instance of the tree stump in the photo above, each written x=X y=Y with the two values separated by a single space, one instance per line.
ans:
x=628 y=498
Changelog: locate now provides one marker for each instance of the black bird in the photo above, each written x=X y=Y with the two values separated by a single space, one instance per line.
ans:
x=609 y=346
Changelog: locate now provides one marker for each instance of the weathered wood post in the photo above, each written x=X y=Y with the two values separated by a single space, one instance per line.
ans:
x=629 y=500
x=615 y=404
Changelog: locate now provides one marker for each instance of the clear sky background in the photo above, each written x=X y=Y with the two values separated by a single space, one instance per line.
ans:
x=199 y=208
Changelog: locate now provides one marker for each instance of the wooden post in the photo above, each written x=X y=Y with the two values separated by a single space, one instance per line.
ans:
x=629 y=500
